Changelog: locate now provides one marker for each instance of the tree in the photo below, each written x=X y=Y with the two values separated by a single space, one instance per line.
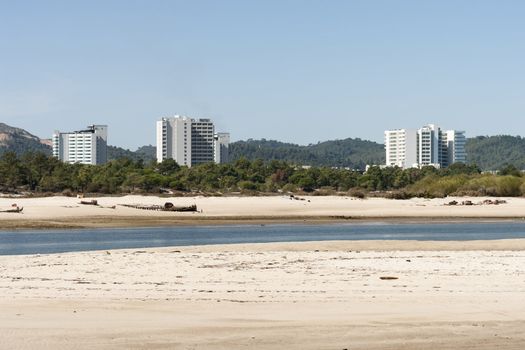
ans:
x=11 y=174
x=168 y=167
x=509 y=169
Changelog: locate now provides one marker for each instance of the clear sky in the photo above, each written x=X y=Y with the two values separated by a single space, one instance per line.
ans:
x=298 y=71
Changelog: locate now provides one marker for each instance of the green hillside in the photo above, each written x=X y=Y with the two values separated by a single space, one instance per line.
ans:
x=494 y=152
x=351 y=153
x=144 y=153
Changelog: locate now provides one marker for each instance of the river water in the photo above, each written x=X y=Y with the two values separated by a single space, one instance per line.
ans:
x=58 y=241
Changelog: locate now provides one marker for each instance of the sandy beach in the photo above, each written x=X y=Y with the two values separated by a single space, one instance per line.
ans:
x=313 y=295
x=329 y=295
x=66 y=212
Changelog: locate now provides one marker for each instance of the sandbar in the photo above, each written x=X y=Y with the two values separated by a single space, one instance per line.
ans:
x=66 y=212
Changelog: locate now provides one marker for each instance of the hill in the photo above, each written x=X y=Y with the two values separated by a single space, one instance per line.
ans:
x=494 y=152
x=20 y=141
x=351 y=153
x=146 y=153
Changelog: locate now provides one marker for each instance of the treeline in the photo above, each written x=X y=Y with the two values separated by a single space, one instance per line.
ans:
x=494 y=152
x=350 y=153
x=144 y=153
x=39 y=173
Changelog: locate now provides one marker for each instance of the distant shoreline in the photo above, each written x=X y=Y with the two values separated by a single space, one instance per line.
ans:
x=148 y=221
x=67 y=213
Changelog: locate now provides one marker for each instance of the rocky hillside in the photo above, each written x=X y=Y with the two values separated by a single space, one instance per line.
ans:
x=20 y=141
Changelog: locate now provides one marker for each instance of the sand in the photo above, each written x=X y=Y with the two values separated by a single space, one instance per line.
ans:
x=315 y=295
x=67 y=212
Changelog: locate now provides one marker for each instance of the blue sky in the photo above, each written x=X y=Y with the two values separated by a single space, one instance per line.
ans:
x=296 y=71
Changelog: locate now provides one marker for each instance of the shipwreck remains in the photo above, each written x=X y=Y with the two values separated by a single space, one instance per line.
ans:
x=14 y=209
x=168 y=206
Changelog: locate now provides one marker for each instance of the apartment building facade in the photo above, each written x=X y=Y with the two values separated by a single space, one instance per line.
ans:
x=222 y=145
x=87 y=146
x=401 y=147
x=190 y=141
x=454 y=144
x=428 y=145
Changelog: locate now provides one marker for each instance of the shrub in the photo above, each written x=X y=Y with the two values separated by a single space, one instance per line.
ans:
x=401 y=194
x=247 y=185
x=357 y=192
x=290 y=188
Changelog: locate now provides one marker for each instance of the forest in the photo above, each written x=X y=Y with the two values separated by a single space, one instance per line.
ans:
x=349 y=153
x=38 y=173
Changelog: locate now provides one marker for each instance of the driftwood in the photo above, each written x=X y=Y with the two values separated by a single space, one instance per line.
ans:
x=90 y=202
x=14 y=210
x=166 y=207
x=387 y=278
x=494 y=201
x=485 y=202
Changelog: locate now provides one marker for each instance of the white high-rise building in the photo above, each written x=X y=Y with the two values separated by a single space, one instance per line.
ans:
x=428 y=138
x=85 y=146
x=221 y=147
x=428 y=145
x=455 y=145
x=202 y=141
x=190 y=141
x=174 y=140
x=401 y=148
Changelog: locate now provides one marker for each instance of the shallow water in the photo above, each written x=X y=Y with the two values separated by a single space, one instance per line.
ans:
x=57 y=241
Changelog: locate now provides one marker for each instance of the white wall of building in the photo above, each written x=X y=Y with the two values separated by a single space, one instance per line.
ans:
x=221 y=147
x=85 y=147
x=181 y=139
x=174 y=140
x=401 y=147
x=428 y=145
x=162 y=142
x=190 y=141
x=455 y=141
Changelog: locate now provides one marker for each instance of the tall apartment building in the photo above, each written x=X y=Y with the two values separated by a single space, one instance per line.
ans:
x=401 y=148
x=190 y=141
x=454 y=143
x=222 y=145
x=428 y=145
x=85 y=146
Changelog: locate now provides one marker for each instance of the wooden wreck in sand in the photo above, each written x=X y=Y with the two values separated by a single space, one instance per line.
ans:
x=166 y=207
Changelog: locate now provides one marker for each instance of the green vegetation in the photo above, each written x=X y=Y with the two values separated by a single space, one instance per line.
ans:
x=144 y=153
x=495 y=152
x=348 y=153
x=40 y=173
